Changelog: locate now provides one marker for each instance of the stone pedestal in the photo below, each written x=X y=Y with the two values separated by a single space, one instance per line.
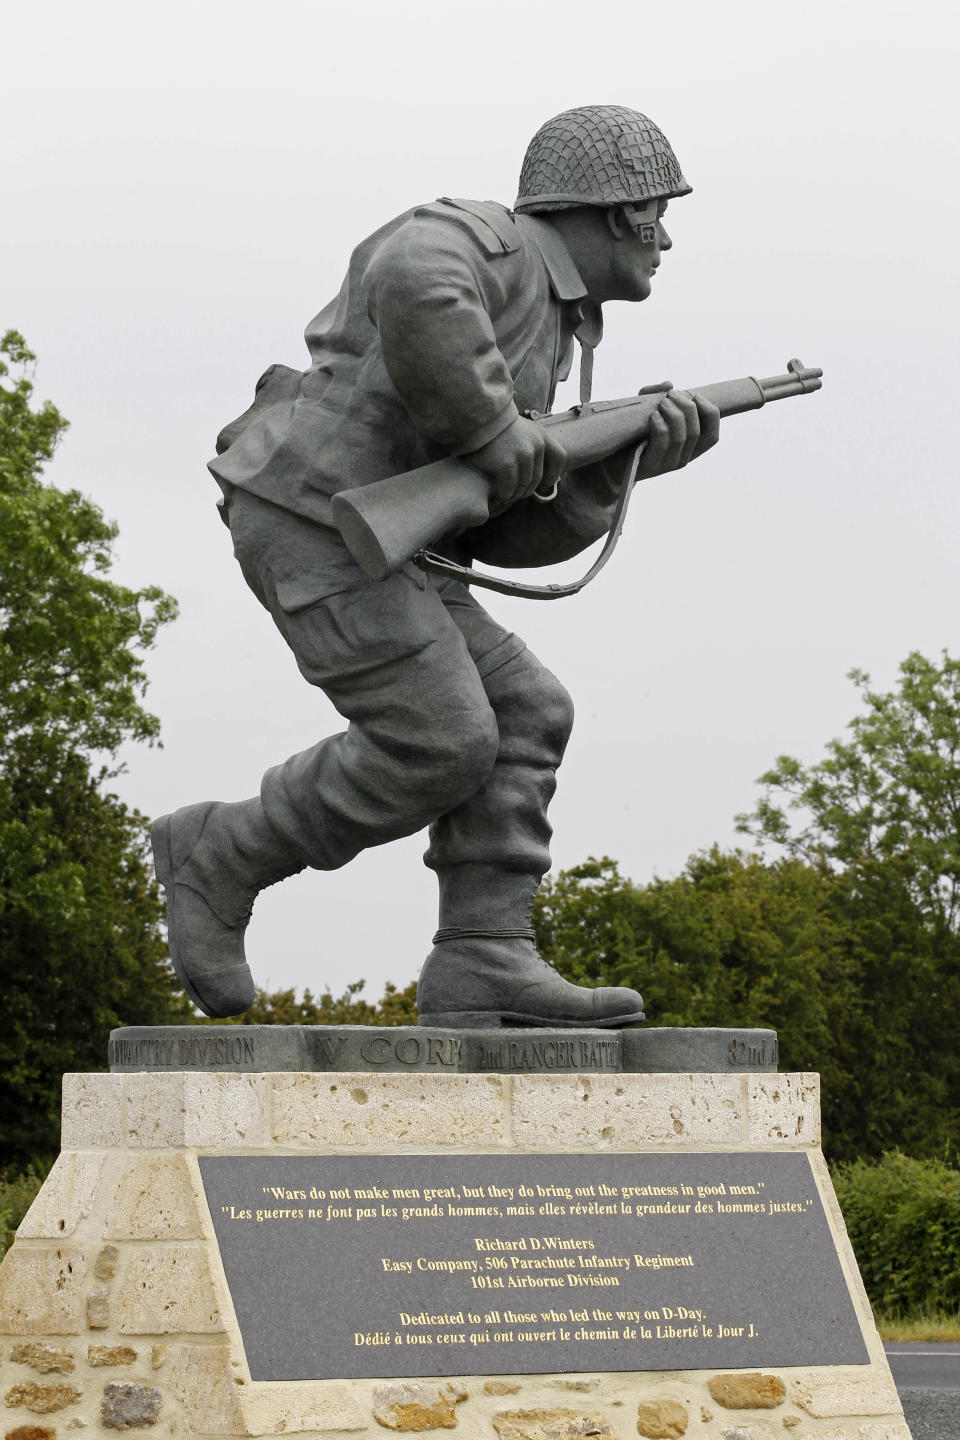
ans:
x=115 y=1313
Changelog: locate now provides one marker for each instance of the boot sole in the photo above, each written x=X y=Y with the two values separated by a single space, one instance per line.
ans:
x=162 y=842
x=494 y=1019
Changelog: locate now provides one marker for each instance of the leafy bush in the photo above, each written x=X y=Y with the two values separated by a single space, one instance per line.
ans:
x=903 y=1218
x=16 y=1196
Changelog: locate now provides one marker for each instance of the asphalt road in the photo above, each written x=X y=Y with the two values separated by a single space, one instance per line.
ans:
x=927 y=1376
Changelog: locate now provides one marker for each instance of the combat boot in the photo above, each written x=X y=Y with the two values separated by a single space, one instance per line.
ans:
x=481 y=975
x=213 y=859
x=492 y=979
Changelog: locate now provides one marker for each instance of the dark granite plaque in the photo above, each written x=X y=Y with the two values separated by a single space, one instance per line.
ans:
x=403 y=1265
x=385 y=1050
x=697 y=1050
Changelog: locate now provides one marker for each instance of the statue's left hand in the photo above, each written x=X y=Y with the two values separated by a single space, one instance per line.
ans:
x=681 y=429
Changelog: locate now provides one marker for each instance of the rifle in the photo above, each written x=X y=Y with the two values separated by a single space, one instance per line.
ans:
x=389 y=522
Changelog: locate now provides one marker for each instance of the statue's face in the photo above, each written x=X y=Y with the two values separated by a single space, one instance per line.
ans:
x=617 y=249
x=638 y=238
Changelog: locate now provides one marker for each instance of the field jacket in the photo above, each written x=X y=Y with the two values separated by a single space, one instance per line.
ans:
x=453 y=318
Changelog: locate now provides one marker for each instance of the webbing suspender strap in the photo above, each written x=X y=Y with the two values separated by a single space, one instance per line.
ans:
x=586 y=371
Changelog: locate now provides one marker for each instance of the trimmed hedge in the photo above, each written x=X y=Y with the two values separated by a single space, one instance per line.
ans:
x=903 y=1218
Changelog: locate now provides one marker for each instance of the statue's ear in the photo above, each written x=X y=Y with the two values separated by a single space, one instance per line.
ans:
x=616 y=221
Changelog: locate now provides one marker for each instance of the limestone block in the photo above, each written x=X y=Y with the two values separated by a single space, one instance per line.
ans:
x=225 y=1110
x=92 y=1110
x=364 y=1110
x=124 y=1406
x=111 y=1355
x=30 y=1432
x=550 y=1424
x=610 y=1112
x=216 y=1401
x=748 y=1390
x=155 y=1111
x=662 y=1419
x=286 y=1409
x=98 y=1309
x=65 y=1198
x=41 y=1291
x=47 y=1359
x=783 y=1109
x=417 y=1406
x=209 y=1385
x=155 y=1201
x=853 y=1392
x=167 y=1289
x=581 y=1384
x=501 y=1387
x=187 y=1108
x=106 y=1263
x=42 y=1399
x=158 y=1356
x=753 y=1430
x=847 y=1258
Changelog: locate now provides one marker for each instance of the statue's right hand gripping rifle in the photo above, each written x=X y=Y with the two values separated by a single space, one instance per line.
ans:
x=392 y=521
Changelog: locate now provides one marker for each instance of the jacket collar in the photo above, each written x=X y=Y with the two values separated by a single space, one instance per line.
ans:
x=565 y=280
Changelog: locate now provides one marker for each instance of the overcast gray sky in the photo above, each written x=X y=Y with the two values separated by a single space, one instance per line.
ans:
x=182 y=187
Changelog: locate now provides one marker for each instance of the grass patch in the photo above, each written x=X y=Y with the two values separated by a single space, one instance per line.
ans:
x=930 y=1325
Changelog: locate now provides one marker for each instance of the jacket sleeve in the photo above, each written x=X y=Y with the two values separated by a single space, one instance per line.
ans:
x=432 y=290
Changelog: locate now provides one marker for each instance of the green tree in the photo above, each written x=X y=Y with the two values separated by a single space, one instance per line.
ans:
x=730 y=941
x=890 y=792
x=849 y=975
x=71 y=639
x=881 y=813
x=80 y=940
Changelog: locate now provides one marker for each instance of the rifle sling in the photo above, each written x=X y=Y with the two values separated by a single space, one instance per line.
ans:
x=435 y=564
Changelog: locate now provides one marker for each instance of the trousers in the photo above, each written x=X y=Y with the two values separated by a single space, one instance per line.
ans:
x=452 y=723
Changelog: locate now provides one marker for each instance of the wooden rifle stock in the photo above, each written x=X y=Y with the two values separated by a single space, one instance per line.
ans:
x=388 y=522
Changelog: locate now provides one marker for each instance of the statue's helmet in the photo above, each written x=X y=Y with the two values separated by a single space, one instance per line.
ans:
x=598 y=155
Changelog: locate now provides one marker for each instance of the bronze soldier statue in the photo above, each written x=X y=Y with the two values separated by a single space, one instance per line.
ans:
x=452 y=328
